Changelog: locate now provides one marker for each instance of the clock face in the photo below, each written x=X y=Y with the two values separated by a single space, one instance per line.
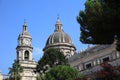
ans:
x=26 y=41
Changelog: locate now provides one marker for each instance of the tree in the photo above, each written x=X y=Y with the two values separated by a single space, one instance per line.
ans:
x=108 y=72
x=51 y=58
x=100 y=22
x=62 y=72
x=41 y=76
x=15 y=71
x=81 y=77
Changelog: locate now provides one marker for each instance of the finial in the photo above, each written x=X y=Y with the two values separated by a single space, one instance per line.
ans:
x=24 y=26
x=58 y=18
x=25 y=22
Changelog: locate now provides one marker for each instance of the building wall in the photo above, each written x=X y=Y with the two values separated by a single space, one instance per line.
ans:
x=28 y=74
x=29 y=68
x=90 y=59
x=67 y=51
x=1 y=76
x=115 y=62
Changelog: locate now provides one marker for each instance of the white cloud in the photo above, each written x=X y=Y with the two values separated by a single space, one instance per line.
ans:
x=37 y=53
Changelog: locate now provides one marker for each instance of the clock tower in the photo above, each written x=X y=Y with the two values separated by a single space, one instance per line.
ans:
x=24 y=55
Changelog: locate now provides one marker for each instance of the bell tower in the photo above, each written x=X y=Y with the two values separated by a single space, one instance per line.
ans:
x=24 y=48
x=24 y=51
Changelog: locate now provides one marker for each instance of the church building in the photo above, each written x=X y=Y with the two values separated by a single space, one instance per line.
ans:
x=24 y=51
x=90 y=60
x=59 y=39
x=85 y=61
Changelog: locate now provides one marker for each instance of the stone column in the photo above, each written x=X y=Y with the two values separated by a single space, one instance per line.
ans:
x=94 y=62
x=98 y=61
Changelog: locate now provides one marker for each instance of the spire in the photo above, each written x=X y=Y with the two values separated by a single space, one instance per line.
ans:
x=24 y=26
x=58 y=25
x=24 y=32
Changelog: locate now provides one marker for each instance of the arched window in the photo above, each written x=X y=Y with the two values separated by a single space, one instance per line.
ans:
x=26 y=55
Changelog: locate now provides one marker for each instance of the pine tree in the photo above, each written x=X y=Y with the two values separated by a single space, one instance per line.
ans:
x=100 y=22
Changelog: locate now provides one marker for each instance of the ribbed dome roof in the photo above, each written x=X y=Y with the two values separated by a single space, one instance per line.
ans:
x=59 y=36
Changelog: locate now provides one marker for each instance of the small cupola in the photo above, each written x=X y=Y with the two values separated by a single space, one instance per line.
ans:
x=24 y=33
x=58 y=25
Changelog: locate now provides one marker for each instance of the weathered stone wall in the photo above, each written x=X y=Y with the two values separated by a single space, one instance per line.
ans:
x=1 y=76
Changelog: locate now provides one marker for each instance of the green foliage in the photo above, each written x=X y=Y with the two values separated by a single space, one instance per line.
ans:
x=81 y=77
x=62 y=72
x=41 y=76
x=51 y=58
x=99 y=21
x=108 y=72
x=15 y=71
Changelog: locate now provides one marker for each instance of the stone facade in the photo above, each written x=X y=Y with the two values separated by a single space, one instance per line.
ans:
x=59 y=39
x=1 y=76
x=89 y=60
x=24 y=55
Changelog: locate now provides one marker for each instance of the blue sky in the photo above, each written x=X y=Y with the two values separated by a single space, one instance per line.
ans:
x=41 y=16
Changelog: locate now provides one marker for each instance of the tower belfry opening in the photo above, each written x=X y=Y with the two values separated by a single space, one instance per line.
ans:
x=26 y=55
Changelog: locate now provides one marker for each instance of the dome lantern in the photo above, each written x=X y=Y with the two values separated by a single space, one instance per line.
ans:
x=58 y=25
x=24 y=33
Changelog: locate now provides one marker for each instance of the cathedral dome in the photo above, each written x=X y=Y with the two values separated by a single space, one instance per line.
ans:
x=59 y=39
x=59 y=36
